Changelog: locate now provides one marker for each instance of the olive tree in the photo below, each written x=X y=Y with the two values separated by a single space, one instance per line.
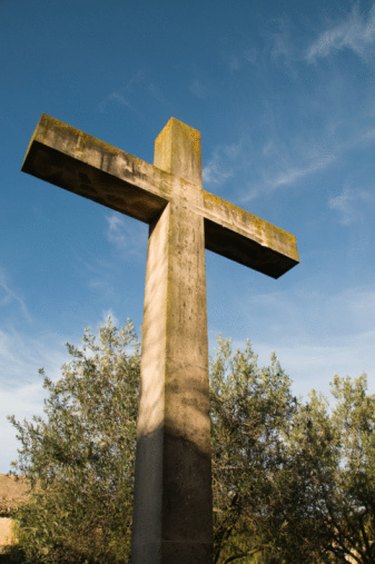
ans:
x=293 y=481
x=79 y=457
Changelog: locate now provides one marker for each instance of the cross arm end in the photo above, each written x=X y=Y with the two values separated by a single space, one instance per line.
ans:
x=89 y=167
x=245 y=238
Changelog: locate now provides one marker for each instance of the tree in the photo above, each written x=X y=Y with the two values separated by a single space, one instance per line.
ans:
x=325 y=501
x=252 y=408
x=79 y=458
x=293 y=482
x=305 y=482
x=353 y=419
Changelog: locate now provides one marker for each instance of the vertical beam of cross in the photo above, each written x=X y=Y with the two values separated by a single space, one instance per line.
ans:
x=173 y=506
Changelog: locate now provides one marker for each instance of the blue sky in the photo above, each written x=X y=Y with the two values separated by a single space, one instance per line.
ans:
x=283 y=93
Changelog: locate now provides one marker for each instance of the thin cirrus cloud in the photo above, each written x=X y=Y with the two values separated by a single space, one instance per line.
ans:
x=126 y=235
x=349 y=204
x=280 y=166
x=347 y=327
x=23 y=402
x=9 y=296
x=128 y=94
x=127 y=239
x=283 y=171
x=123 y=95
x=228 y=161
x=224 y=162
x=334 y=151
x=294 y=173
x=215 y=172
x=21 y=356
x=198 y=88
x=356 y=32
x=21 y=391
x=314 y=364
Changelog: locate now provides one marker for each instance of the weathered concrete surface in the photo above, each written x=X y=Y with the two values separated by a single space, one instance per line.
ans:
x=82 y=164
x=178 y=151
x=71 y=159
x=173 y=506
x=245 y=238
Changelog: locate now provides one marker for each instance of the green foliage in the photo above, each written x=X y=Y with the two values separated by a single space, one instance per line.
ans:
x=80 y=456
x=293 y=482
x=251 y=409
x=354 y=422
x=332 y=467
x=308 y=474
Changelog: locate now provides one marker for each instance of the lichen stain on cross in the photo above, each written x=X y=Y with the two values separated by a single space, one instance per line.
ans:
x=173 y=501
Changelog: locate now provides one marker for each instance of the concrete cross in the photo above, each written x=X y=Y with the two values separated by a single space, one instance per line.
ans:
x=173 y=502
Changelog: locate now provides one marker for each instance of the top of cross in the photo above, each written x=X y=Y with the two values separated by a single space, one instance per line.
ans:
x=178 y=151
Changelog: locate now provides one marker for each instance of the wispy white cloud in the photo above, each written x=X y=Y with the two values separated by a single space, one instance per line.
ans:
x=124 y=94
x=126 y=235
x=119 y=97
x=23 y=402
x=313 y=364
x=233 y=61
x=128 y=95
x=280 y=165
x=349 y=204
x=237 y=58
x=250 y=54
x=275 y=45
x=356 y=32
x=99 y=276
x=279 y=43
x=366 y=136
x=198 y=88
x=21 y=356
x=347 y=311
x=291 y=174
x=127 y=239
x=21 y=392
x=314 y=334
x=214 y=172
x=116 y=231
x=359 y=305
x=9 y=295
x=283 y=165
x=222 y=163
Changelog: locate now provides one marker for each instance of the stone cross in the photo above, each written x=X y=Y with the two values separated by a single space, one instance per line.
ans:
x=173 y=501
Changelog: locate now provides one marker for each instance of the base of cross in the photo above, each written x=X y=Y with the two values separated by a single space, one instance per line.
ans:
x=173 y=505
x=174 y=552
